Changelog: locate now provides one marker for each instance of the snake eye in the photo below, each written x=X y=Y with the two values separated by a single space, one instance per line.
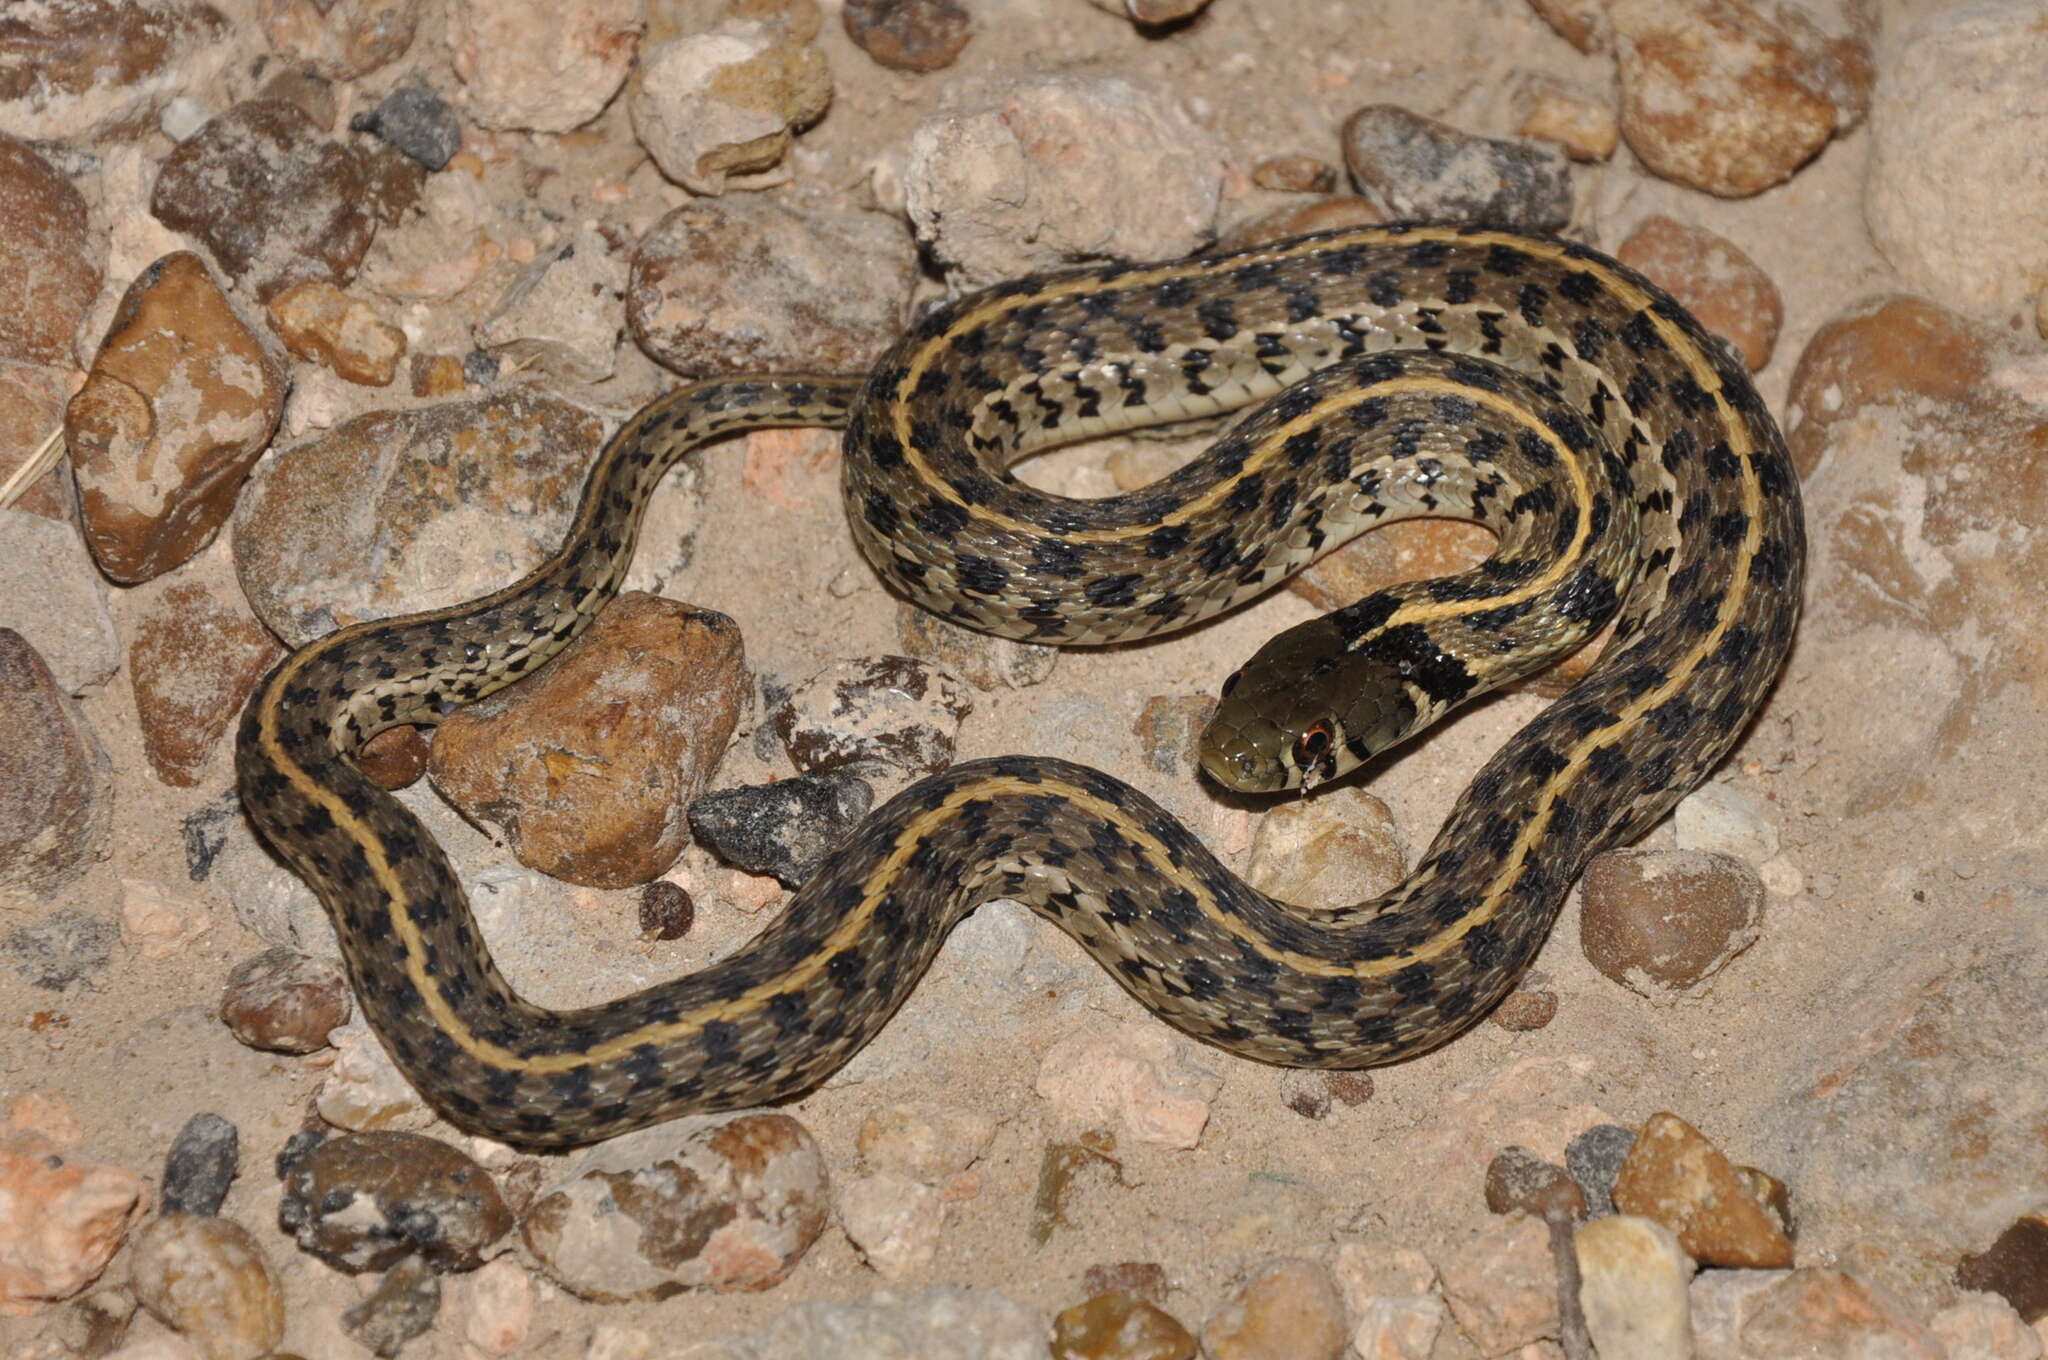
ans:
x=1311 y=746
x=1230 y=683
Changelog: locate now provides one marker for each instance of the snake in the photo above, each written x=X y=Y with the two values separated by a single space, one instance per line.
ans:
x=1630 y=471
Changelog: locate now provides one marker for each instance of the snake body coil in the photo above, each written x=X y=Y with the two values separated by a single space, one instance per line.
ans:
x=1621 y=455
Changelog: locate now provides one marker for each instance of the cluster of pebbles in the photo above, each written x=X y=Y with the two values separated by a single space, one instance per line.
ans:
x=364 y=284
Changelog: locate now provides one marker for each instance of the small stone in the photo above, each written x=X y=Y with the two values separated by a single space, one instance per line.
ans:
x=1676 y=1177
x=719 y=109
x=193 y=663
x=873 y=714
x=417 y=122
x=1113 y=1326
x=558 y=317
x=1632 y=1286
x=500 y=1307
x=1169 y=729
x=1518 y=1181
x=366 y=1201
x=363 y=1089
x=403 y=1306
x=64 y=948
x=924 y=1140
x=61 y=1219
x=305 y=86
x=1290 y=1310
x=284 y=1001
x=1295 y=175
x=1582 y=23
x=785 y=828
x=50 y=267
x=1142 y=1077
x=56 y=798
x=1724 y=820
x=1663 y=921
x=761 y=285
x=318 y=321
x=909 y=35
x=543 y=65
x=159 y=924
x=1150 y=13
x=1832 y=1316
x=181 y=400
x=1549 y=110
x=988 y=663
x=1349 y=1088
x=893 y=1221
x=1528 y=1007
x=2014 y=1267
x=200 y=1166
x=589 y=765
x=1594 y=1158
x=1140 y=1279
x=395 y=758
x=1501 y=1285
x=1416 y=167
x=1719 y=285
x=275 y=199
x=339 y=39
x=1721 y=96
x=207 y=1279
x=1327 y=852
x=1391 y=1292
x=731 y=1205
x=666 y=911
x=1305 y=1093
x=1770 y=1192
x=1011 y=183
x=436 y=375
x=1984 y=1327
x=1327 y=213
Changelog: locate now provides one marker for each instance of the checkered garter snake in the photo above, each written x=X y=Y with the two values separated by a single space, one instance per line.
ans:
x=1620 y=455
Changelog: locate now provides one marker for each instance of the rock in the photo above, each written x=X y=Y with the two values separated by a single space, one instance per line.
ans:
x=1582 y=23
x=1723 y=819
x=1305 y=1093
x=1142 y=1076
x=66 y=947
x=1661 y=922
x=1290 y=1310
x=1530 y=1006
x=729 y=1205
x=435 y=375
x=1327 y=852
x=1594 y=1158
x=181 y=400
x=946 y=1320
x=1676 y=1177
x=719 y=109
x=1391 y=1292
x=207 y=1279
x=340 y=39
x=893 y=1221
x=417 y=122
x=1114 y=1326
x=302 y=83
x=363 y=1090
x=1719 y=285
x=1295 y=175
x=395 y=758
x=1984 y=1327
x=51 y=597
x=1831 y=1316
x=1518 y=1181
x=61 y=1219
x=275 y=199
x=909 y=35
x=757 y=285
x=32 y=398
x=1951 y=189
x=1586 y=125
x=158 y=924
x=988 y=663
x=200 y=1166
x=873 y=714
x=1501 y=1285
x=1140 y=1279
x=77 y=70
x=56 y=786
x=403 y=1306
x=318 y=321
x=194 y=662
x=588 y=765
x=1720 y=96
x=924 y=1140
x=2014 y=1267
x=50 y=265
x=500 y=1307
x=542 y=65
x=1152 y=12
x=1012 y=183
x=559 y=315
x=785 y=828
x=1169 y=729
x=1409 y=166
x=284 y=1001
x=666 y=911
x=366 y=1201
x=1632 y=1285
x=402 y=510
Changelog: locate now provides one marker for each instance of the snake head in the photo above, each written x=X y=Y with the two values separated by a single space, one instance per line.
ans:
x=1305 y=709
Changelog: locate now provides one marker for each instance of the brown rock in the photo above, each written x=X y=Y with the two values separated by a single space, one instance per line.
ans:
x=436 y=375
x=666 y=911
x=1675 y=1176
x=1582 y=23
x=1528 y=1007
x=1295 y=175
x=194 y=660
x=318 y=321
x=1584 y=124
x=1831 y=1316
x=909 y=35
x=2015 y=1267
x=1289 y=1311
x=1416 y=167
x=79 y=69
x=1520 y=1182
x=1717 y=283
x=1169 y=729
x=277 y=200
x=56 y=786
x=208 y=1280
x=32 y=401
x=1329 y=213
x=1660 y=921
x=1722 y=97
x=365 y=1201
x=1119 y=1327
x=882 y=712
x=283 y=1001
x=181 y=401
x=340 y=39
x=589 y=765
x=50 y=267
x=752 y=284
x=395 y=758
